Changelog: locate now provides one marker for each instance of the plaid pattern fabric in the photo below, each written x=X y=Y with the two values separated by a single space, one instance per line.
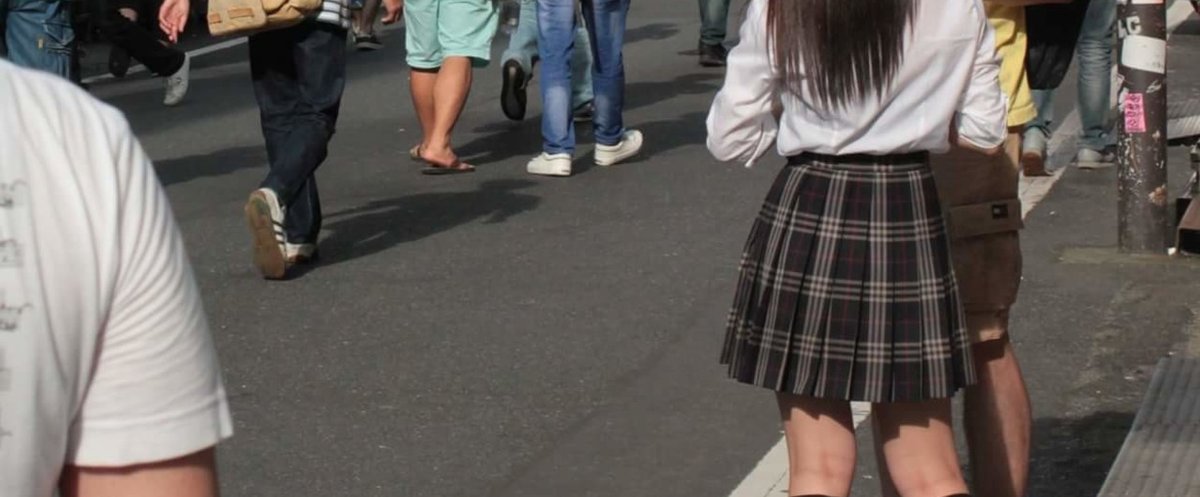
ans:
x=846 y=288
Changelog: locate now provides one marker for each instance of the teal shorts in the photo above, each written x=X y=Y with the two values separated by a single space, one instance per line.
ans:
x=437 y=29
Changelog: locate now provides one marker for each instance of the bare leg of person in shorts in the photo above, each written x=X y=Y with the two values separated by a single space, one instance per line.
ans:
x=983 y=215
x=445 y=40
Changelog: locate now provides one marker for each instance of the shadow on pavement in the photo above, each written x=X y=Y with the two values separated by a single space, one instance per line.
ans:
x=380 y=225
x=644 y=93
x=652 y=32
x=505 y=140
x=1072 y=456
x=221 y=162
x=668 y=134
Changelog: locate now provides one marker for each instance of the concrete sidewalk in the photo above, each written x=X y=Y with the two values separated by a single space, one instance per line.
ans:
x=1099 y=318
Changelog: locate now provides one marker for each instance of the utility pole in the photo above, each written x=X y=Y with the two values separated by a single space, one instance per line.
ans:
x=1142 y=142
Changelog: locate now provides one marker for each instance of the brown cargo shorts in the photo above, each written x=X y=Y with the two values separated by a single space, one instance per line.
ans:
x=980 y=201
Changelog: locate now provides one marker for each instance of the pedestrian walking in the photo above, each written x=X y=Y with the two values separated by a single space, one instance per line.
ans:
x=445 y=40
x=363 y=14
x=605 y=21
x=123 y=25
x=1095 y=60
x=38 y=34
x=714 y=21
x=298 y=74
x=109 y=383
x=846 y=290
x=980 y=194
x=519 y=59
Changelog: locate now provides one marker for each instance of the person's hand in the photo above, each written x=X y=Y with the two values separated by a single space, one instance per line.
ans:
x=395 y=10
x=173 y=17
x=958 y=141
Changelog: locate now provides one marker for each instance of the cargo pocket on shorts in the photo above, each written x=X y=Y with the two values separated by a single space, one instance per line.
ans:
x=986 y=248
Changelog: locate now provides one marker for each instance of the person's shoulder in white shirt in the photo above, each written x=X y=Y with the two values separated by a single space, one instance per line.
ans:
x=949 y=74
x=109 y=383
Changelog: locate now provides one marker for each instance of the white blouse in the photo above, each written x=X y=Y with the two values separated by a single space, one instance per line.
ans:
x=950 y=71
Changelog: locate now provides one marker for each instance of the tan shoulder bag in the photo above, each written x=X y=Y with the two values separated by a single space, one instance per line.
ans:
x=243 y=17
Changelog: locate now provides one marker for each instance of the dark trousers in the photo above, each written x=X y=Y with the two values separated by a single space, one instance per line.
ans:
x=299 y=74
x=136 y=38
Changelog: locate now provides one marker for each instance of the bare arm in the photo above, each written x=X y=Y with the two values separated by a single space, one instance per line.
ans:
x=959 y=142
x=188 y=476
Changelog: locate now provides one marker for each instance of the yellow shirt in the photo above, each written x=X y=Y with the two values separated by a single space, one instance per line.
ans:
x=1009 y=25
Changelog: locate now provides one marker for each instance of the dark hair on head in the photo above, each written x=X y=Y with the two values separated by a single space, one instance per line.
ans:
x=843 y=51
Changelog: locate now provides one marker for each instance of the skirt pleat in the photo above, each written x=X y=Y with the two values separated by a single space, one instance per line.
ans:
x=846 y=290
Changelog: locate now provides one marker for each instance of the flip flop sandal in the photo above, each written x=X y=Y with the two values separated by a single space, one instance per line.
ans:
x=415 y=153
x=459 y=167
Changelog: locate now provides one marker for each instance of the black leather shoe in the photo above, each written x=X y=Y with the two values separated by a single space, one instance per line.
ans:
x=713 y=55
x=512 y=95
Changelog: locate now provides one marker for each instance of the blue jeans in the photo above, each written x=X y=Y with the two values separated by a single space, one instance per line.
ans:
x=523 y=46
x=298 y=75
x=38 y=34
x=714 y=17
x=605 y=20
x=1094 y=59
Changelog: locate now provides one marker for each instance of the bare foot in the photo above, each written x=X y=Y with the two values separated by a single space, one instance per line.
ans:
x=442 y=160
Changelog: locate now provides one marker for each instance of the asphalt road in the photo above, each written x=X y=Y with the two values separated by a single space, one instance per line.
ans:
x=506 y=335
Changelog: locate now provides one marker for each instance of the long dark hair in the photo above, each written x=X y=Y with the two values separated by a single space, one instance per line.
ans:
x=848 y=49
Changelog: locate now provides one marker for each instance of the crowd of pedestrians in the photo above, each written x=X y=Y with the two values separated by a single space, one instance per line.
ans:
x=881 y=267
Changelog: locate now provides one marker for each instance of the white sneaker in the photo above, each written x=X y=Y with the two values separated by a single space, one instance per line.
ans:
x=177 y=84
x=1094 y=159
x=630 y=145
x=550 y=164
x=300 y=253
x=264 y=215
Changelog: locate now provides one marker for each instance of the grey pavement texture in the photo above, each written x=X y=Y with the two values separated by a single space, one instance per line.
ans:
x=506 y=335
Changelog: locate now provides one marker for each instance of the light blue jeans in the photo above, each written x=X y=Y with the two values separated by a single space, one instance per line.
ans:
x=1093 y=55
x=714 y=16
x=523 y=47
x=557 y=28
x=38 y=34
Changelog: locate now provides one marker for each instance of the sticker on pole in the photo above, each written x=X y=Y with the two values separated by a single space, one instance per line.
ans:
x=1145 y=54
x=1135 y=113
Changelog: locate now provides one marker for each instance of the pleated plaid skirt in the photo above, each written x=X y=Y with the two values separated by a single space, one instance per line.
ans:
x=846 y=290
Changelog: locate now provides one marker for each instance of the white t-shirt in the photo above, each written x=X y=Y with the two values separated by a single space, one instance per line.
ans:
x=105 y=355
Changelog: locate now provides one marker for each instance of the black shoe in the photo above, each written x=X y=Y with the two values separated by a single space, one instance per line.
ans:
x=712 y=55
x=584 y=113
x=118 y=62
x=512 y=96
x=367 y=43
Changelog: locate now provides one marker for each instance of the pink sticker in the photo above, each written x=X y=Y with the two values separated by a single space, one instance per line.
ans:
x=1135 y=113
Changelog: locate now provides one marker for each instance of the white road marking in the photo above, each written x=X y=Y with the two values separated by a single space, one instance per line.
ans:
x=769 y=477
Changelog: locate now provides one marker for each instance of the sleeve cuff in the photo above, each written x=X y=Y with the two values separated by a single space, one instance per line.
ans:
x=142 y=442
x=765 y=139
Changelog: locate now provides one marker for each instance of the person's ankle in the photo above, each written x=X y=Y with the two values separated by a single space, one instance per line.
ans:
x=436 y=146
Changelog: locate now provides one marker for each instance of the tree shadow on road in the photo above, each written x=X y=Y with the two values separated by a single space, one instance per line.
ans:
x=218 y=163
x=380 y=225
